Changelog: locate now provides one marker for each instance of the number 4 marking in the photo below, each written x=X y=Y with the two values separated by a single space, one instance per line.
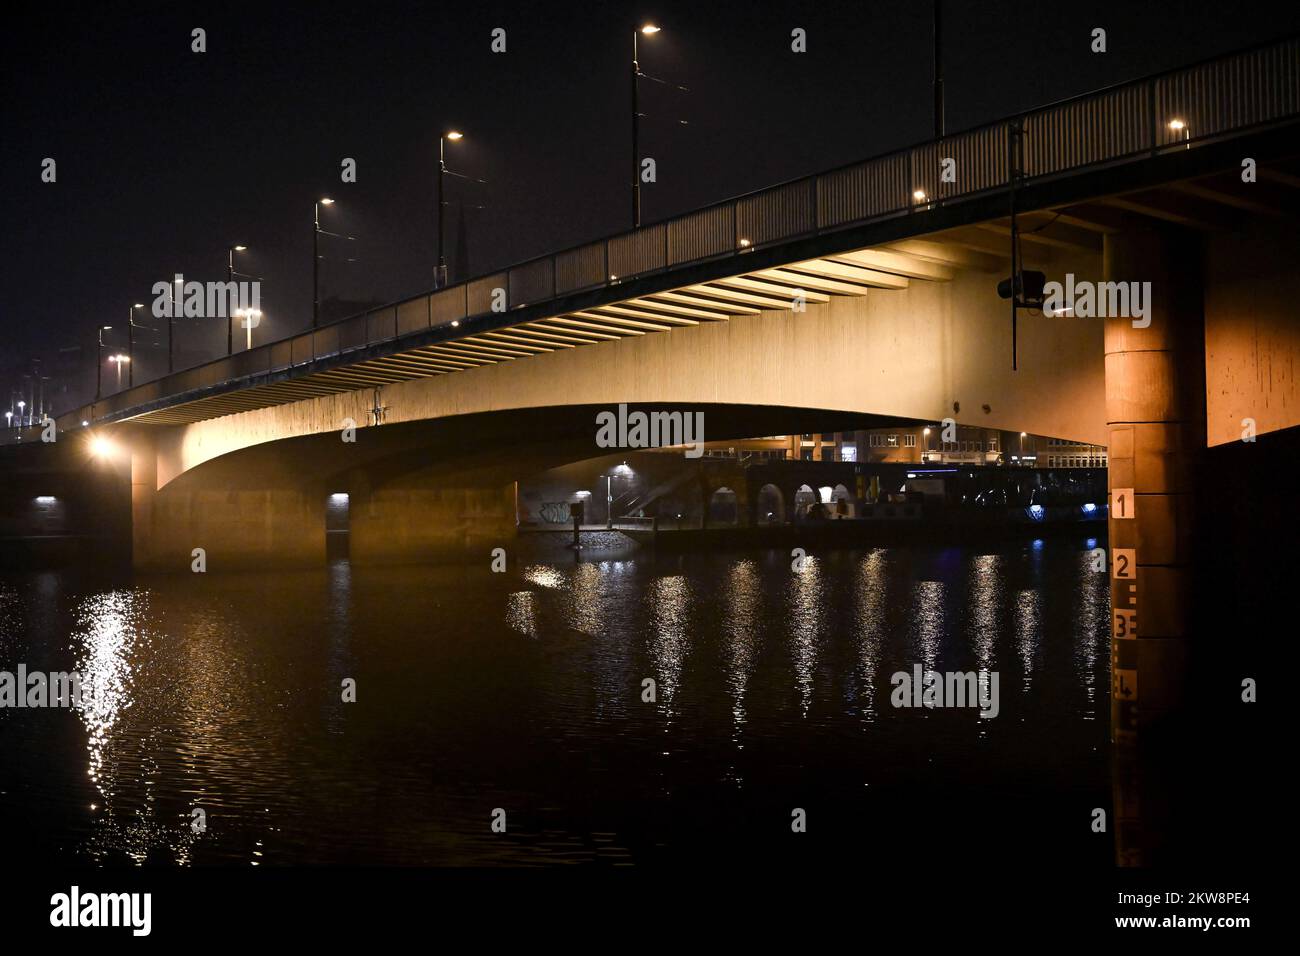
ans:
x=1122 y=503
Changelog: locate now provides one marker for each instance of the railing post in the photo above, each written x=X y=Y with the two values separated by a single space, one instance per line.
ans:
x=1151 y=108
x=910 y=186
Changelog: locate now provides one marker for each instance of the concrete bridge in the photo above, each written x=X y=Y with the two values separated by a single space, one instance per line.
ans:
x=868 y=290
x=863 y=294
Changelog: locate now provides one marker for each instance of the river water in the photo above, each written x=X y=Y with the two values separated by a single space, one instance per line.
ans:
x=518 y=697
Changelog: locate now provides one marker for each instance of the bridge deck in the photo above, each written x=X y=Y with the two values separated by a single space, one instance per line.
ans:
x=844 y=232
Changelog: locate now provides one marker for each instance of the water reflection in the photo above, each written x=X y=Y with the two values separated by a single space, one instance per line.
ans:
x=1028 y=622
x=521 y=613
x=524 y=689
x=103 y=648
x=986 y=575
x=742 y=622
x=927 y=621
x=1091 y=606
x=805 y=616
x=871 y=606
x=669 y=602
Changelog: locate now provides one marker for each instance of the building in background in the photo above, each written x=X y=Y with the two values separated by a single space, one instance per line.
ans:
x=918 y=443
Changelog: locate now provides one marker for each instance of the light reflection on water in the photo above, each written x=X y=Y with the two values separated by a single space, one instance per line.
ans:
x=524 y=690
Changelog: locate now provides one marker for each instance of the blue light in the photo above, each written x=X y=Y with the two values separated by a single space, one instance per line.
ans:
x=1089 y=508
x=1092 y=543
x=1038 y=544
x=1035 y=512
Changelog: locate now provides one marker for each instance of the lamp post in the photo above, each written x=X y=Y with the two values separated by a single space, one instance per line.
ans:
x=440 y=279
x=130 y=345
x=315 y=264
x=230 y=278
x=250 y=319
x=120 y=360
x=99 y=362
x=938 y=69
x=21 y=406
x=609 y=495
x=177 y=302
x=649 y=30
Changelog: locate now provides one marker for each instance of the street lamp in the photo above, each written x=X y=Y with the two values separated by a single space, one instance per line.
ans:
x=99 y=362
x=130 y=344
x=230 y=278
x=440 y=279
x=250 y=319
x=21 y=406
x=315 y=264
x=1181 y=130
x=120 y=360
x=648 y=30
x=609 y=495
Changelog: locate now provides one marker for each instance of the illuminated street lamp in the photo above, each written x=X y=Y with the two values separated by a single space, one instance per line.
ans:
x=609 y=493
x=119 y=360
x=249 y=319
x=1181 y=130
x=230 y=277
x=21 y=406
x=315 y=264
x=101 y=447
x=176 y=303
x=648 y=30
x=99 y=362
x=130 y=344
x=440 y=279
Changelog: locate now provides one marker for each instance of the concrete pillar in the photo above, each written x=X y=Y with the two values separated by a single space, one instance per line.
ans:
x=1155 y=411
x=425 y=517
x=144 y=485
x=243 y=517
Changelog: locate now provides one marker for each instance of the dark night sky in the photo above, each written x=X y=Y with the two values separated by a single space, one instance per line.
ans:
x=165 y=156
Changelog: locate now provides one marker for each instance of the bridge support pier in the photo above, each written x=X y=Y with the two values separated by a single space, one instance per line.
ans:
x=242 y=520
x=424 y=517
x=1155 y=411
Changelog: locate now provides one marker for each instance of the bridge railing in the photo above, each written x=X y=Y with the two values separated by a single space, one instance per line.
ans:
x=1178 y=109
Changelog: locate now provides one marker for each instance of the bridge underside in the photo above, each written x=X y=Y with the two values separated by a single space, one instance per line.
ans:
x=425 y=490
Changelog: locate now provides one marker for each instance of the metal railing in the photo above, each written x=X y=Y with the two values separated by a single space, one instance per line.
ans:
x=1129 y=121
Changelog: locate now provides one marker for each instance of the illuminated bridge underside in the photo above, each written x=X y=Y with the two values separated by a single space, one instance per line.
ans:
x=1167 y=149
x=812 y=282
x=910 y=329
